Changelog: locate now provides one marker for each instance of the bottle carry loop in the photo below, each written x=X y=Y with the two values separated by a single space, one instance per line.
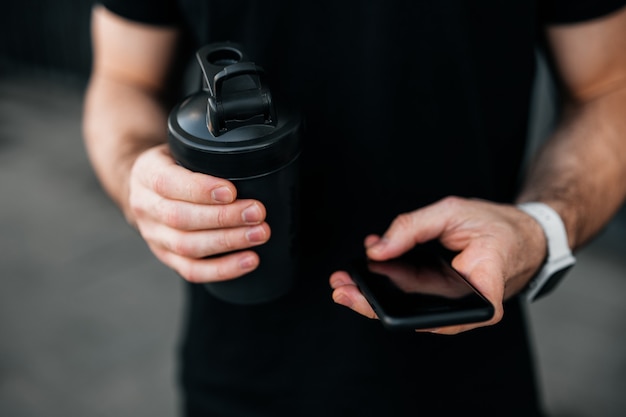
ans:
x=238 y=94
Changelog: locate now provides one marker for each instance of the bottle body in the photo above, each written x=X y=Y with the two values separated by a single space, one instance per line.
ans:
x=276 y=273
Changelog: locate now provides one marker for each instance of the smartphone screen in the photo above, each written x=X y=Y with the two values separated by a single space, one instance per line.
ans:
x=420 y=290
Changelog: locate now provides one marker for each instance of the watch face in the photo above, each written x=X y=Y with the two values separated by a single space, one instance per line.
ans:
x=552 y=282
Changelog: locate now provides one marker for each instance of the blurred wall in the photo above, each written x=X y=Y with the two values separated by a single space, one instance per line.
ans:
x=50 y=36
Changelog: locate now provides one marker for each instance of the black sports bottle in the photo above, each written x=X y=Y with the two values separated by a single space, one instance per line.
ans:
x=233 y=129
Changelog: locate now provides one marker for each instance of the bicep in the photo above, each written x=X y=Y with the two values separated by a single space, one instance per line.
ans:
x=132 y=53
x=590 y=57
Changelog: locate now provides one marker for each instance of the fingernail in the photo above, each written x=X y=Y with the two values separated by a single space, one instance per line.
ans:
x=222 y=195
x=336 y=282
x=248 y=262
x=378 y=246
x=252 y=214
x=340 y=298
x=256 y=234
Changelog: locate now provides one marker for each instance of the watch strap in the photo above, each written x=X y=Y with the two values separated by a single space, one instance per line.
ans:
x=559 y=257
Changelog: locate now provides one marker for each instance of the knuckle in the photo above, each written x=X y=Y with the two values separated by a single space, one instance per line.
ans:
x=221 y=216
x=225 y=242
x=150 y=237
x=171 y=214
x=159 y=183
x=135 y=205
x=191 y=273
x=209 y=270
x=183 y=267
x=450 y=201
x=184 y=244
x=221 y=272
x=189 y=269
x=404 y=220
x=136 y=200
x=180 y=245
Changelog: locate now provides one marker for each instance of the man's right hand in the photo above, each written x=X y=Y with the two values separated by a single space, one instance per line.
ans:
x=193 y=222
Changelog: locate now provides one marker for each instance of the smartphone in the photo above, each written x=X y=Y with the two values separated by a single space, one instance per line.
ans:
x=420 y=290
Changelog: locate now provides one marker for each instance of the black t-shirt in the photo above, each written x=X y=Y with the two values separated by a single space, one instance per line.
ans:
x=406 y=102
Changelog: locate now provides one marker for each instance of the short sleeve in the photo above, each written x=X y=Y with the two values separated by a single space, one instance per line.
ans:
x=571 y=11
x=154 y=12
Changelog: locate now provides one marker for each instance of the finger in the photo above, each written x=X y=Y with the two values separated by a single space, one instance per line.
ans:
x=409 y=229
x=482 y=265
x=339 y=279
x=371 y=240
x=158 y=171
x=188 y=216
x=456 y=329
x=200 y=244
x=484 y=269
x=347 y=294
x=447 y=330
x=208 y=270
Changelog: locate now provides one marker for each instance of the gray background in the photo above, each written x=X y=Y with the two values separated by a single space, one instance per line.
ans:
x=89 y=320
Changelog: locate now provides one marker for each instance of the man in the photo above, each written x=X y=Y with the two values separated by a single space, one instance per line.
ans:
x=415 y=112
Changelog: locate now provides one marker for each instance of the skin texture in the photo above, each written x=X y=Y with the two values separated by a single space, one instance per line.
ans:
x=186 y=217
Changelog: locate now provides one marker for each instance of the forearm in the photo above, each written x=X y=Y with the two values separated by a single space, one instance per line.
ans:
x=120 y=122
x=581 y=169
x=123 y=113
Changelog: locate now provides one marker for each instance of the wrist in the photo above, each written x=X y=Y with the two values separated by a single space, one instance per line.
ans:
x=559 y=258
x=567 y=208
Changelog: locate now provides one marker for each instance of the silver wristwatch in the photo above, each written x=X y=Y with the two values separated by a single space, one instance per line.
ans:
x=559 y=259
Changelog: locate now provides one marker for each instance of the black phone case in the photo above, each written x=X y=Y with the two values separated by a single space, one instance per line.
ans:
x=398 y=310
